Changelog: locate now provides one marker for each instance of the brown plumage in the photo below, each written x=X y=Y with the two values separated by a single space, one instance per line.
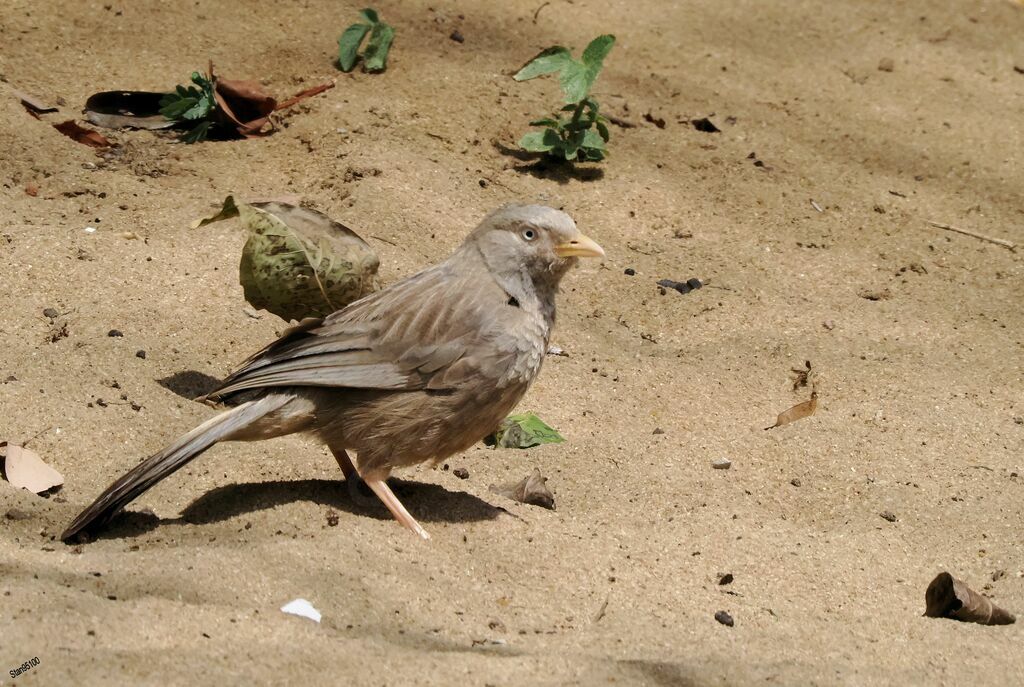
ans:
x=418 y=371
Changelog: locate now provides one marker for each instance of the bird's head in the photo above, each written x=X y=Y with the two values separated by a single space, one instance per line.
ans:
x=532 y=241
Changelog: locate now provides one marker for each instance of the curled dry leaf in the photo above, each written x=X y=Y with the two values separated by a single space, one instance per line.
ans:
x=298 y=262
x=532 y=490
x=948 y=597
x=797 y=412
x=25 y=469
x=243 y=105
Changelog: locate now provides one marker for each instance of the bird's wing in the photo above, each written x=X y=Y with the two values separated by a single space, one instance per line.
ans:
x=423 y=332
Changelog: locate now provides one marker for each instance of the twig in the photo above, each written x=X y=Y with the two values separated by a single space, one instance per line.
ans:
x=601 y=611
x=302 y=95
x=384 y=240
x=35 y=436
x=966 y=232
x=816 y=206
x=537 y=13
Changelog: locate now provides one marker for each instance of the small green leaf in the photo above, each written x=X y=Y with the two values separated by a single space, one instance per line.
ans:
x=592 y=139
x=546 y=122
x=594 y=54
x=198 y=133
x=370 y=15
x=535 y=142
x=602 y=130
x=348 y=45
x=523 y=431
x=375 y=58
x=576 y=80
x=546 y=62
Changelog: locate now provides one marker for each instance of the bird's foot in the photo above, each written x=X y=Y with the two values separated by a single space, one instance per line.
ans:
x=388 y=498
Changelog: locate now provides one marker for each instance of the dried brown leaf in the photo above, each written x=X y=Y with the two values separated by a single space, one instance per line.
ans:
x=948 y=597
x=531 y=490
x=797 y=412
x=244 y=105
x=302 y=95
x=73 y=129
x=25 y=469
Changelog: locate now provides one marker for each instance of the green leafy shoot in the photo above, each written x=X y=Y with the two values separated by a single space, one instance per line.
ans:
x=583 y=134
x=191 y=104
x=523 y=431
x=375 y=55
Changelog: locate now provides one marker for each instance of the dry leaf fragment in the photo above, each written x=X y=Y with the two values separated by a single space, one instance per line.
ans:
x=532 y=490
x=302 y=95
x=73 y=129
x=34 y=105
x=797 y=412
x=948 y=597
x=25 y=469
x=245 y=105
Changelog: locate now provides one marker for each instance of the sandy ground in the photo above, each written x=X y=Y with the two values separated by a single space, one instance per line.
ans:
x=914 y=333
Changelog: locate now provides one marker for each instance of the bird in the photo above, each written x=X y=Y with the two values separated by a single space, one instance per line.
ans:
x=416 y=372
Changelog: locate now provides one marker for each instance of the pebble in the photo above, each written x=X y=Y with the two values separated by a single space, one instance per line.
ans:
x=461 y=473
x=115 y=333
x=140 y=354
x=721 y=464
x=630 y=271
x=457 y=36
x=51 y=313
x=725 y=579
x=724 y=618
x=795 y=481
x=888 y=515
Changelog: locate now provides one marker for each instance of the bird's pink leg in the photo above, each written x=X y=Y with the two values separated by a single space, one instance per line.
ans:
x=384 y=493
x=381 y=489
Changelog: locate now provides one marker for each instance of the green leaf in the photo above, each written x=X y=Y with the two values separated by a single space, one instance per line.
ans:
x=576 y=80
x=546 y=122
x=198 y=133
x=348 y=45
x=547 y=61
x=375 y=58
x=594 y=54
x=535 y=142
x=602 y=130
x=593 y=154
x=571 y=146
x=592 y=139
x=523 y=431
x=370 y=15
x=300 y=263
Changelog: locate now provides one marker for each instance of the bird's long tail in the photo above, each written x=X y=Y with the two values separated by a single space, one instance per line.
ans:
x=231 y=424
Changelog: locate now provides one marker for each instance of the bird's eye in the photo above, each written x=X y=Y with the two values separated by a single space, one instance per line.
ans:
x=529 y=234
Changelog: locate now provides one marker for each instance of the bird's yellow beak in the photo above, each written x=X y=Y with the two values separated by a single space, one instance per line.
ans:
x=579 y=247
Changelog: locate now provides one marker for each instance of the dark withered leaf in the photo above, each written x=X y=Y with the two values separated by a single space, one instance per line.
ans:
x=531 y=490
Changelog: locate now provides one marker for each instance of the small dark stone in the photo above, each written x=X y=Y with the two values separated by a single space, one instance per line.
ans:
x=457 y=36
x=724 y=618
x=461 y=473
x=101 y=403
x=114 y=333
x=888 y=515
x=332 y=519
x=12 y=378
x=630 y=271
x=704 y=124
x=658 y=430
x=136 y=407
x=483 y=183
x=51 y=313
x=112 y=597
x=725 y=579
x=795 y=481
x=140 y=354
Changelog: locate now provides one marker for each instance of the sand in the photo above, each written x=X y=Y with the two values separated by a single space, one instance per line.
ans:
x=805 y=216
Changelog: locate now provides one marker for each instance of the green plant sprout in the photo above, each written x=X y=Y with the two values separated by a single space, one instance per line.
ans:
x=375 y=56
x=191 y=104
x=584 y=134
